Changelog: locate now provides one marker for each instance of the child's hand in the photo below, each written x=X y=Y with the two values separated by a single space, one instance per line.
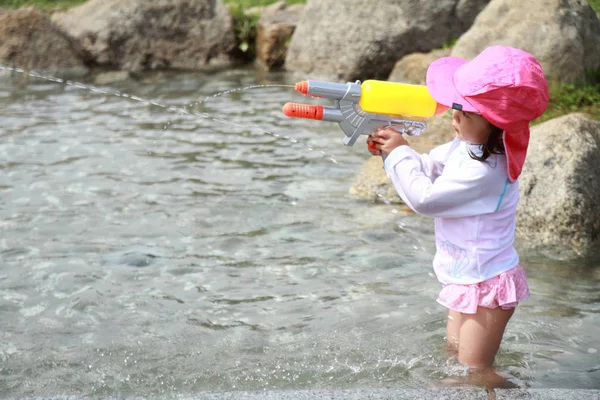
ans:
x=372 y=146
x=385 y=140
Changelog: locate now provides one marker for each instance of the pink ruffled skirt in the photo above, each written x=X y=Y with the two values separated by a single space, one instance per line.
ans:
x=505 y=290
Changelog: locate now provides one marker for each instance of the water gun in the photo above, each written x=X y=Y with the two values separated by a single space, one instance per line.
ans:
x=360 y=109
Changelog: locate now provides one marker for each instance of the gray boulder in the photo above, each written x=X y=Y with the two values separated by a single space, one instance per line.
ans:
x=412 y=68
x=137 y=35
x=559 y=211
x=357 y=39
x=30 y=40
x=563 y=34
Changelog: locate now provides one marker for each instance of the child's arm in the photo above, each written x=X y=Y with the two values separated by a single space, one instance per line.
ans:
x=432 y=163
x=475 y=188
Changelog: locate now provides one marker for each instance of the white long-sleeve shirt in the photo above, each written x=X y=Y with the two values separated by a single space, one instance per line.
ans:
x=473 y=203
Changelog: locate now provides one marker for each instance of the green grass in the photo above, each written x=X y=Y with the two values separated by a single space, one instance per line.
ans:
x=567 y=98
x=43 y=4
x=581 y=97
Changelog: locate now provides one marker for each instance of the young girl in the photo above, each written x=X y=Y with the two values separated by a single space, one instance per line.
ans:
x=470 y=187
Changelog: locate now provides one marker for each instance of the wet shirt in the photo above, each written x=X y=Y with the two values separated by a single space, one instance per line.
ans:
x=472 y=202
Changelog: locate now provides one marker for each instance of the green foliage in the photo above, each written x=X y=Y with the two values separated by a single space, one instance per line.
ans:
x=595 y=5
x=43 y=4
x=450 y=43
x=245 y=25
x=566 y=98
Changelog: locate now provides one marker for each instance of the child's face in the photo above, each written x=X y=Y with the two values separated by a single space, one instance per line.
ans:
x=470 y=127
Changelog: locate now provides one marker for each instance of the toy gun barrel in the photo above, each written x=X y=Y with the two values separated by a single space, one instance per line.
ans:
x=310 y=111
x=330 y=90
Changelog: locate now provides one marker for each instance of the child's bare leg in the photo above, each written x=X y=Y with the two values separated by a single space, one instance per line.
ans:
x=480 y=335
x=453 y=324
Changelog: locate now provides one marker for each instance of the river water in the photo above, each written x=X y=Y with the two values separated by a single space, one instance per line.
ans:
x=174 y=233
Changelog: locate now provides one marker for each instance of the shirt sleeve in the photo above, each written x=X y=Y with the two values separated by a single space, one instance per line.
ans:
x=471 y=190
x=432 y=163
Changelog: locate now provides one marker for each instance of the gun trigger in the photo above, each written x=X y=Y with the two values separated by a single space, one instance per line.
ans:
x=401 y=129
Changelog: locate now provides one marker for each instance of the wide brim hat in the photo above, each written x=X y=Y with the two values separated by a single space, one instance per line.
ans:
x=507 y=86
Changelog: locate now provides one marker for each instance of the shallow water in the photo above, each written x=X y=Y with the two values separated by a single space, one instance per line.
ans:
x=161 y=237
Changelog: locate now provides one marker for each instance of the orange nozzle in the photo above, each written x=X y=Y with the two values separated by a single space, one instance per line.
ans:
x=302 y=87
x=308 y=111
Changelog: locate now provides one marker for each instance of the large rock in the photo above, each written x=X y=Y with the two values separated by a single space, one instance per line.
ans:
x=30 y=40
x=153 y=34
x=413 y=67
x=563 y=34
x=356 y=39
x=559 y=211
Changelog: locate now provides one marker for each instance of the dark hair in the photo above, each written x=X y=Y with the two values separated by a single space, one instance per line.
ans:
x=494 y=145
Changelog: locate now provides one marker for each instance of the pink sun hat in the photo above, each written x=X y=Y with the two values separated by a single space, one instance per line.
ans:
x=505 y=85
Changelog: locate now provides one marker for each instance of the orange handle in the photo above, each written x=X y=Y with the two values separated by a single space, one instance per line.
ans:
x=308 y=111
